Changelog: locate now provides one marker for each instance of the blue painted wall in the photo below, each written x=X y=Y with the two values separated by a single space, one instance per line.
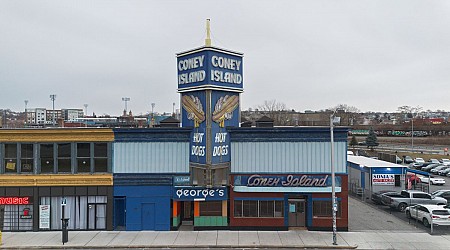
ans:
x=139 y=203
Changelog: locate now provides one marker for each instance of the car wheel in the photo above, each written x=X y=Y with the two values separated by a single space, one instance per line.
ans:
x=426 y=223
x=408 y=215
x=402 y=207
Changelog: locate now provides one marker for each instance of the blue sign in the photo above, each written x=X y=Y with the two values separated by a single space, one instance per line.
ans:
x=210 y=66
x=199 y=193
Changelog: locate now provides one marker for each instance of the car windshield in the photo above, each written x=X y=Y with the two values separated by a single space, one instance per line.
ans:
x=441 y=212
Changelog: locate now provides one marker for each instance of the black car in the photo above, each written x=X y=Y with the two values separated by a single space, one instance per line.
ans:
x=429 y=167
x=407 y=159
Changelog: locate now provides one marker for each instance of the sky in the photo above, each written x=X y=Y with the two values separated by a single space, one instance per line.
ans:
x=309 y=55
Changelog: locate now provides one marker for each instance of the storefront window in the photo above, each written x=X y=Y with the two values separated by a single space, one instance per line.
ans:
x=64 y=163
x=18 y=218
x=47 y=160
x=100 y=157
x=84 y=157
x=10 y=158
x=251 y=208
x=83 y=212
x=323 y=209
x=26 y=159
x=211 y=208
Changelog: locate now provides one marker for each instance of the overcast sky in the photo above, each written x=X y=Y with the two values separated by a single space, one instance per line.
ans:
x=310 y=55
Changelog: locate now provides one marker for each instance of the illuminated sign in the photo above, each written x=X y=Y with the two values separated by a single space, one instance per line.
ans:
x=286 y=181
x=15 y=200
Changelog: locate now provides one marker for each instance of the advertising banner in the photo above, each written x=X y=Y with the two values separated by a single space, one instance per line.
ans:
x=383 y=179
x=44 y=216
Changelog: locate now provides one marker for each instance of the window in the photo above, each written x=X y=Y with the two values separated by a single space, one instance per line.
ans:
x=26 y=158
x=64 y=163
x=100 y=157
x=255 y=208
x=211 y=208
x=323 y=209
x=10 y=158
x=47 y=160
x=83 y=157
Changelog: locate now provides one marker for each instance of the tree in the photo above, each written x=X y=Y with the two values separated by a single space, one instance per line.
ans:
x=276 y=111
x=349 y=114
x=353 y=142
x=371 y=139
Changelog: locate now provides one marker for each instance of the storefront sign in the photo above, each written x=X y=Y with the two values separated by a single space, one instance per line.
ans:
x=285 y=181
x=44 y=216
x=383 y=179
x=181 y=180
x=15 y=200
x=199 y=193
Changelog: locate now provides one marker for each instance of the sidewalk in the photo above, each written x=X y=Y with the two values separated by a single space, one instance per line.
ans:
x=226 y=239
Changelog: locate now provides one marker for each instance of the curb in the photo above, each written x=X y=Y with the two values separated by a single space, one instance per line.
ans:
x=189 y=246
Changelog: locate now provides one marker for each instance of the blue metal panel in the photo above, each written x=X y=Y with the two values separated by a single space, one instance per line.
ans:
x=363 y=180
x=136 y=197
x=151 y=157
x=287 y=157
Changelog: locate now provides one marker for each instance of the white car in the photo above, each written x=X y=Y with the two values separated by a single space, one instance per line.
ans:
x=434 y=180
x=446 y=162
x=419 y=160
x=438 y=214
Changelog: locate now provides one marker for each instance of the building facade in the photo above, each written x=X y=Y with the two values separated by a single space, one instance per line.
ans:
x=43 y=170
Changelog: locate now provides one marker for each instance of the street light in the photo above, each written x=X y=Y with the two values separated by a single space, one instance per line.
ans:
x=153 y=119
x=333 y=181
x=53 y=97
x=126 y=99
x=85 y=108
x=26 y=115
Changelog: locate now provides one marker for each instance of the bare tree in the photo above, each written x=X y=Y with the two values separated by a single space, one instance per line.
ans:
x=276 y=111
x=349 y=114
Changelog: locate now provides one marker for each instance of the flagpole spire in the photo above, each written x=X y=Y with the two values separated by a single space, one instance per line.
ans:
x=208 y=33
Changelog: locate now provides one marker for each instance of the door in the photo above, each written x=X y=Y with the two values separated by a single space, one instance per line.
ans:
x=297 y=216
x=148 y=216
x=187 y=214
x=96 y=216
x=119 y=213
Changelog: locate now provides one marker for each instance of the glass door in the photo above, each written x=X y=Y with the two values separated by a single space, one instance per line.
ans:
x=297 y=215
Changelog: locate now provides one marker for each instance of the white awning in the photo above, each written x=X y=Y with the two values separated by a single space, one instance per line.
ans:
x=285 y=189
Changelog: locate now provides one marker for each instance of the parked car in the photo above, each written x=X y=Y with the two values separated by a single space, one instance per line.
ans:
x=434 y=180
x=407 y=198
x=436 y=169
x=444 y=171
x=435 y=161
x=407 y=159
x=445 y=161
x=376 y=196
x=349 y=152
x=437 y=214
x=419 y=160
x=429 y=167
x=442 y=193
x=415 y=165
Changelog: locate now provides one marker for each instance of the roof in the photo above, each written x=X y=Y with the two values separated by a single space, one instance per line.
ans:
x=371 y=163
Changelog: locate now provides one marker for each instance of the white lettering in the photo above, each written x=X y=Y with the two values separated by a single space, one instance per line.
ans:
x=198 y=137
x=220 y=150
x=227 y=77
x=198 y=150
x=191 y=63
x=221 y=137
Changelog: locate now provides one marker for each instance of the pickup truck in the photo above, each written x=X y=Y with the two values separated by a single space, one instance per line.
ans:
x=407 y=198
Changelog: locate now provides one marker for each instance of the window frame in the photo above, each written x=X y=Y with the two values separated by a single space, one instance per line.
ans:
x=239 y=205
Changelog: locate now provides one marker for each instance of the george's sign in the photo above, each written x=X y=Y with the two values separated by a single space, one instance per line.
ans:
x=15 y=200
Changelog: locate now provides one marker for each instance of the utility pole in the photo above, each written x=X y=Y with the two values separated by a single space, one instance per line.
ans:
x=152 y=122
x=126 y=100
x=333 y=181
x=85 y=109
